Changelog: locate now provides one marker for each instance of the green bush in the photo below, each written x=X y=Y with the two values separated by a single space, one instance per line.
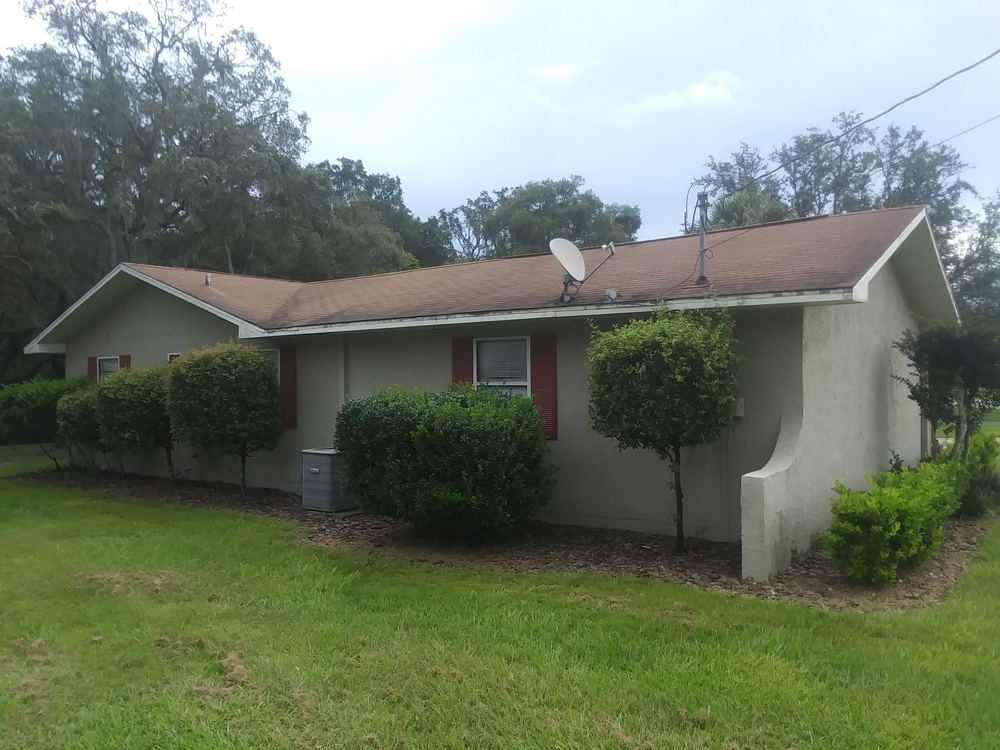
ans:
x=467 y=462
x=981 y=488
x=225 y=398
x=28 y=411
x=76 y=415
x=899 y=520
x=132 y=411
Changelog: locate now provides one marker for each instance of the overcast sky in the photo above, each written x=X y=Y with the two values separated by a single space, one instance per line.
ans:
x=458 y=96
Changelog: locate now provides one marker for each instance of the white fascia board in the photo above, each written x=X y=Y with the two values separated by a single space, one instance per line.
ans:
x=246 y=330
x=860 y=290
x=35 y=346
x=816 y=297
x=944 y=274
x=46 y=349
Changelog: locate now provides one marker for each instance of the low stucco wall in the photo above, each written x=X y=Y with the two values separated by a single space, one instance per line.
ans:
x=852 y=414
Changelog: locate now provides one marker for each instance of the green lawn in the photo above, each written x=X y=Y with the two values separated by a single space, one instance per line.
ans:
x=986 y=429
x=218 y=630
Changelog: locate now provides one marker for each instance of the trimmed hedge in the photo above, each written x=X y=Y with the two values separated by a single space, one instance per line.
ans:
x=28 y=410
x=132 y=411
x=467 y=462
x=76 y=415
x=898 y=521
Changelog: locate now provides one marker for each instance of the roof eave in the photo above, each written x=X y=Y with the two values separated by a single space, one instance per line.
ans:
x=39 y=345
x=860 y=290
x=809 y=297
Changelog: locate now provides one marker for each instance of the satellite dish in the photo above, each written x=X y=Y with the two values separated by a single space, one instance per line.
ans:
x=569 y=257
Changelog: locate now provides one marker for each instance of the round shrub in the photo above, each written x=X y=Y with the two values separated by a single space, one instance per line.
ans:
x=76 y=414
x=899 y=520
x=225 y=398
x=375 y=445
x=132 y=411
x=469 y=462
x=664 y=383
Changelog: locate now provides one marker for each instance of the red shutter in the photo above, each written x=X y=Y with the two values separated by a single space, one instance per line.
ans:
x=289 y=387
x=92 y=368
x=543 y=379
x=461 y=359
x=124 y=361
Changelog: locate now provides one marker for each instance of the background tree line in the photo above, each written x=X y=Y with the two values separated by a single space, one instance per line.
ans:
x=143 y=137
x=813 y=174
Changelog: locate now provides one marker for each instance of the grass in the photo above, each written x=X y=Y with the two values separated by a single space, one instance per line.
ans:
x=28 y=457
x=218 y=630
x=993 y=430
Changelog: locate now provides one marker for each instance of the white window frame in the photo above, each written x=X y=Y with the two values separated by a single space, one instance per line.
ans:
x=116 y=358
x=498 y=383
x=277 y=368
x=171 y=356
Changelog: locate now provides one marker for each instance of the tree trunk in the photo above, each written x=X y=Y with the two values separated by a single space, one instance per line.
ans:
x=675 y=466
x=962 y=425
x=170 y=461
x=934 y=441
x=968 y=432
x=51 y=458
x=243 y=472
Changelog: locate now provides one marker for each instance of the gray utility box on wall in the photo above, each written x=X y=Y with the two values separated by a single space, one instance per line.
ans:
x=320 y=488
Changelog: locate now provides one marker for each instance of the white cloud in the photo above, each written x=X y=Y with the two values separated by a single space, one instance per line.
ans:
x=562 y=73
x=716 y=88
x=343 y=39
x=546 y=101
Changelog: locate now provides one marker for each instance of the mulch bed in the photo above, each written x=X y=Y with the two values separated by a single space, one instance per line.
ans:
x=538 y=547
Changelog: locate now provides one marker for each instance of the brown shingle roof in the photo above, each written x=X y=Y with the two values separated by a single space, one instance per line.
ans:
x=822 y=253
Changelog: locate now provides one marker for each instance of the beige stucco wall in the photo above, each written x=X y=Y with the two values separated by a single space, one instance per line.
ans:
x=597 y=484
x=852 y=414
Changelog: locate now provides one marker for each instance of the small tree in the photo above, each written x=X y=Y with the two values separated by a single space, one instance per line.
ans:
x=132 y=412
x=76 y=415
x=225 y=398
x=955 y=376
x=28 y=412
x=665 y=383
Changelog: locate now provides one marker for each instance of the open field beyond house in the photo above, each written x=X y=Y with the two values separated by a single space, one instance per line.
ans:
x=130 y=623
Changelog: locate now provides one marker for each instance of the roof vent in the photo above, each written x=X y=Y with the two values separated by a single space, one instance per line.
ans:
x=208 y=279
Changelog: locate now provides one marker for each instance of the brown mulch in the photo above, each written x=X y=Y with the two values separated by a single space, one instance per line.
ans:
x=538 y=547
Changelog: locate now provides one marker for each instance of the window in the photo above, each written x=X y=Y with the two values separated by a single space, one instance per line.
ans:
x=172 y=356
x=106 y=366
x=503 y=364
x=275 y=356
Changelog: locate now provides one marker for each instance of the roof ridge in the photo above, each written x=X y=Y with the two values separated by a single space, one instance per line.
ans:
x=139 y=266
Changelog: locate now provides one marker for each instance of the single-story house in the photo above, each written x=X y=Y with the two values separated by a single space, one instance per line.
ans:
x=818 y=304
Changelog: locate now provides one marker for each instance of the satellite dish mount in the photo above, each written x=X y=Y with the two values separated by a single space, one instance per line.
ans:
x=571 y=260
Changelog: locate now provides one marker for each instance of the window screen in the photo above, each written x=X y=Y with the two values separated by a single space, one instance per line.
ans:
x=503 y=363
x=106 y=366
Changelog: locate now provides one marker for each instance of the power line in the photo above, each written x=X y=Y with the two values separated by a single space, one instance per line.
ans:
x=865 y=122
x=709 y=255
x=967 y=130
